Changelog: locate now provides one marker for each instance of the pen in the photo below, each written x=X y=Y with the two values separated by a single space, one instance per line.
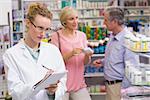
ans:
x=49 y=70
x=46 y=67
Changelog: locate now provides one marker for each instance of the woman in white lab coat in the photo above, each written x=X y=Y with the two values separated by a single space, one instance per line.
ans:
x=27 y=62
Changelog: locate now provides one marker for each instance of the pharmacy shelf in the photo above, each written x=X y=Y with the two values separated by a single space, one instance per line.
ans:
x=101 y=93
x=141 y=15
x=17 y=20
x=98 y=55
x=85 y=18
x=92 y=17
x=137 y=7
x=146 y=54
x=93 y=40
x=100 y=74
x=97 y=26
x=17 y=32
x=90 y=8
x=80 y=9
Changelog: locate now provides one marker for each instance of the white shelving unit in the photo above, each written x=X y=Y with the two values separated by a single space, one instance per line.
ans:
x=137 y=11
x=97 y=94
x=5 y=40
x=4 y=45
x=88 y=10
x=94 y=74
x=98 y=55
x=139 y=78
x=95 y=81
x=17 y=25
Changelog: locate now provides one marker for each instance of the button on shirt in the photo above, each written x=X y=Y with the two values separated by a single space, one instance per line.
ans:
x=115 y=56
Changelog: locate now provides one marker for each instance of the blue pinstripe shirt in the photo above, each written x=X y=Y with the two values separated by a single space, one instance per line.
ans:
x=115 y=56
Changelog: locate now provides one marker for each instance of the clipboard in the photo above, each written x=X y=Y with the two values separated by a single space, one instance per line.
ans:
x=51 y=78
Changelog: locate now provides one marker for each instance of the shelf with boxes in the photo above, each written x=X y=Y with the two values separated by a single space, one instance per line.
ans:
x=97 y=90
x=135 y=11
x=5 y=41
x=138 y=42
x=98 y=55
x=138 y=73
x=90 y=11
x=94 y=74
x=139 y=76
x=3 y=87
x=136 y=2
x=17 y=25
x=96 y=87
x=97 y=37
x=4 y=45
x=94 y=78
x=84 y=13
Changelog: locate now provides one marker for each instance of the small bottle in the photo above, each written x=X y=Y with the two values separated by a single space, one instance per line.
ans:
x=137 y=77
x=147 y=77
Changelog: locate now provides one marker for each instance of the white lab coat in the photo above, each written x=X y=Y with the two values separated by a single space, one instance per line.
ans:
x=23 y=72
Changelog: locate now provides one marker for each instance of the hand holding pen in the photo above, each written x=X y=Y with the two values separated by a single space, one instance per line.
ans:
x=46 y=67
x=52 y=87
x=49 y=72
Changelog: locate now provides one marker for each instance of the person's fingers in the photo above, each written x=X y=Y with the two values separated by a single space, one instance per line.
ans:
x=52 y=90
x=77 y=51
x=52 y=86
x=95 y=62
x=88 y=53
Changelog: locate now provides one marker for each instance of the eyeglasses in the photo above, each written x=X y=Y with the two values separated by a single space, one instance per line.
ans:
x=40 y=28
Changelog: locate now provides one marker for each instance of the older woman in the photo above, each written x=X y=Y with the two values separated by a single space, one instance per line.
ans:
x=72 y=43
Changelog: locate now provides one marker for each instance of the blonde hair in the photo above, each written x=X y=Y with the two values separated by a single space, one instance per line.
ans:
x=65 y=12
x=38 y=9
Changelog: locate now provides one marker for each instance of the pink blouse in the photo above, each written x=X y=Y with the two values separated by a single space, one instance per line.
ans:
x=75 y=65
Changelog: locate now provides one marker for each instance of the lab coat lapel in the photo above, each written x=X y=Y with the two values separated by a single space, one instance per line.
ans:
x=28 y=55
x=41 y=72
x=41 y=59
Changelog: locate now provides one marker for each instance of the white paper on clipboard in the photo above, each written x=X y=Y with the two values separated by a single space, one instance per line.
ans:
x=49 y=79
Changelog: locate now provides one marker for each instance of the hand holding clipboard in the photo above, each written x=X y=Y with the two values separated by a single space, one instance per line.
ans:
x=50 y=78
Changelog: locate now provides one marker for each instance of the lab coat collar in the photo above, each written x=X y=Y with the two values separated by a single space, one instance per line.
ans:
x=27 y=54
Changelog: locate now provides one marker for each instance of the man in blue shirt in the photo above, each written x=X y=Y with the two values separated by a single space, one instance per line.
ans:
x=116 y=54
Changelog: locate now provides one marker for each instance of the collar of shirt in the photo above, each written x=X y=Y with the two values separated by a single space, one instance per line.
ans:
x=120 y=35
x=34 y=52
